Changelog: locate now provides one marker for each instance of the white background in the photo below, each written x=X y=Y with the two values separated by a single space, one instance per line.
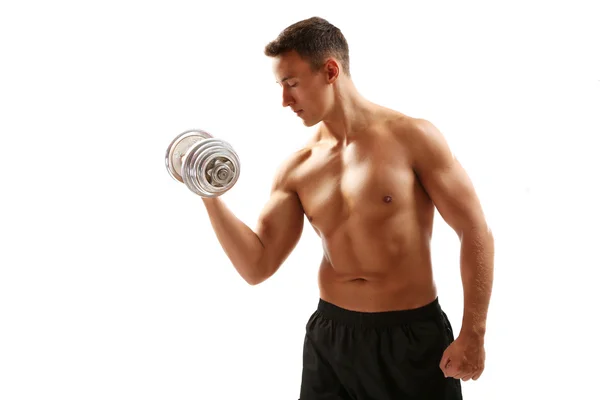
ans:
x=112 y=283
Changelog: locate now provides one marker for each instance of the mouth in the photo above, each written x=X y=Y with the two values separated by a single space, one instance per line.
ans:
x=298 y=112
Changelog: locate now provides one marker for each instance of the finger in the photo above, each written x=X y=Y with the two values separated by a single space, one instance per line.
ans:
x=477 y=373
x=444 y=361
x=451 y=370
x=462 y=374
x=467 y=377
x=472 y=374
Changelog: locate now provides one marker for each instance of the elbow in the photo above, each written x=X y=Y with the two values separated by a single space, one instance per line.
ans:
x=253 y=280
x=257 y=274
x=479 y=232
x=487 y=232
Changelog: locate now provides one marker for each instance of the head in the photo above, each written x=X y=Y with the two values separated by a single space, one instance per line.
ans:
x=310 y=61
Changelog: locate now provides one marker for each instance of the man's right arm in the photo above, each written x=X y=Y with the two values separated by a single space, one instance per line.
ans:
x=257 y=254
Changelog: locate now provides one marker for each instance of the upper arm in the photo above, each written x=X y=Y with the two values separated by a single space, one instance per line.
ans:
x=444 y=178
x=281 y=221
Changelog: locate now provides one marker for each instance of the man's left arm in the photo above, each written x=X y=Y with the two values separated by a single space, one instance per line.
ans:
x=454 y=196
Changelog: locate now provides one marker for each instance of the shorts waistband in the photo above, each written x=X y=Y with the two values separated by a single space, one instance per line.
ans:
x=379 y=319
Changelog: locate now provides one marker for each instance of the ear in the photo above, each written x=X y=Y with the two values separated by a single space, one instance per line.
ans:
x=332 y=70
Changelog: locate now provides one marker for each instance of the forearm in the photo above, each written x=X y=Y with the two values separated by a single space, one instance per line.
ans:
x=477 y=272
x=240 y=243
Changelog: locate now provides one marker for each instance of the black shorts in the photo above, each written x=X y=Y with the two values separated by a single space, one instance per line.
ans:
x=351 y=355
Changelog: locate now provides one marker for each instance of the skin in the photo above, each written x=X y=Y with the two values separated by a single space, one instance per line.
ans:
x=368 y=182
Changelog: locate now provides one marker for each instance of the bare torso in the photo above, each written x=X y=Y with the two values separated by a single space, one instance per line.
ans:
x=373 y=216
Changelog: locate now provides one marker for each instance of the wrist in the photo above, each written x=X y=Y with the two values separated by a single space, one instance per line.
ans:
x=473 y=332
x=210 y=201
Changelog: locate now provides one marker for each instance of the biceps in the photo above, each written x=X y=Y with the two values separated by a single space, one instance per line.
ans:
x=280 y=226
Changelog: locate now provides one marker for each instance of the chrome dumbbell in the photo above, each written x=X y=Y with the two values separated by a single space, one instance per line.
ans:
x=208 y=166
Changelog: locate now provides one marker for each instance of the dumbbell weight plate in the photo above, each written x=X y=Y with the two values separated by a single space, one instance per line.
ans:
x=179 y=147
x=211 y=168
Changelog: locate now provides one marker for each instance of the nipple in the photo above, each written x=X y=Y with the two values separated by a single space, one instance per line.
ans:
x=387 y=199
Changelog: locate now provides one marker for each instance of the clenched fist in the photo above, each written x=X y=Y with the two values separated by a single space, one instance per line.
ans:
x=464 y=358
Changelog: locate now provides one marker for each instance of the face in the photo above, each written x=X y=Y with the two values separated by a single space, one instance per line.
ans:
x=308 y=93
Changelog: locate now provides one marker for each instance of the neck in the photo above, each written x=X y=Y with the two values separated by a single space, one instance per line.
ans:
x=349 y=115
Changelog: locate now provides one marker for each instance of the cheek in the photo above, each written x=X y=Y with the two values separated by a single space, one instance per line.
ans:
x=316 y=99
x=319 y=104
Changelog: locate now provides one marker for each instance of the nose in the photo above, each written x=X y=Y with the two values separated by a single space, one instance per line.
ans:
x=287 y=99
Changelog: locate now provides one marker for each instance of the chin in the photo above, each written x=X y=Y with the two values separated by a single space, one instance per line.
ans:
x=310 y=122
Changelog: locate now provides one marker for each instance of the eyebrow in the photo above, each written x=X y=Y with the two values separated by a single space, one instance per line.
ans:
x=285 y=79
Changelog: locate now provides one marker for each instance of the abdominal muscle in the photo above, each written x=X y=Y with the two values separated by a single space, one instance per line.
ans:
x=377 y=268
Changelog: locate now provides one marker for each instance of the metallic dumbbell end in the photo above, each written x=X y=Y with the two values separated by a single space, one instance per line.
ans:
x=208 y=166
x=179 y=147
x=211 y=168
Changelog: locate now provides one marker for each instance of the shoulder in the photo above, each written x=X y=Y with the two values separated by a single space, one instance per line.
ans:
x=413 y=130
x=423 y=140
x=285 y=173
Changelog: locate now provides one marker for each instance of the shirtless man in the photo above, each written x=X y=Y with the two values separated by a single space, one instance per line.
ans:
x=368 y=182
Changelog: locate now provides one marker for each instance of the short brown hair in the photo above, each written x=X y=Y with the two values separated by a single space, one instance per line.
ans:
x=314 y=39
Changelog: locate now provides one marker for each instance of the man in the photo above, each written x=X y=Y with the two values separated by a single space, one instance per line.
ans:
x=368 y=182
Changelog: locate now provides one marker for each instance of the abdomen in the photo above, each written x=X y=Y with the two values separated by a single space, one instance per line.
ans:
x=365 y=246
x=385 y=263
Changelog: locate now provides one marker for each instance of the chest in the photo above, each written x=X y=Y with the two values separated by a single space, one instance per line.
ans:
x=368 y=181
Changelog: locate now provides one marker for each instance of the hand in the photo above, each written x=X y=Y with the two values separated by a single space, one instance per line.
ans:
x=464 y=358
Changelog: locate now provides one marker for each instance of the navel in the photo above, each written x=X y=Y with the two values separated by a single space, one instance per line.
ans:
x=387 y=199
